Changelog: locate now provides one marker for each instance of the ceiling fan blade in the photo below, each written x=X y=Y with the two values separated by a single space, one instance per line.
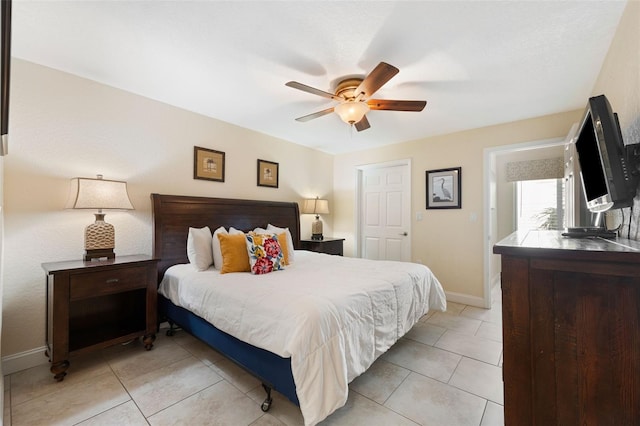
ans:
x=362 y=124
x=313 y=90
x=391 y=105
x=315 y=115
x=376 y=79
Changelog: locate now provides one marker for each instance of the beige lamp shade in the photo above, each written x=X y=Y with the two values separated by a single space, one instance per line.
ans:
x=86 y=193
x=315 y=206
x=98 y=194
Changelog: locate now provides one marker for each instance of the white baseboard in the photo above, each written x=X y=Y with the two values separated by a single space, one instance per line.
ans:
x=24 y=360
x=465 y=299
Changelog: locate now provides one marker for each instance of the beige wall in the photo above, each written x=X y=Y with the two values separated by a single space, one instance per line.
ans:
x=619 y=80
x=63 y=126
x=450 y=242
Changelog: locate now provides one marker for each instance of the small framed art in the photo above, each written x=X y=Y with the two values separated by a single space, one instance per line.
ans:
x=444 y=188
x=208 y=164
x=268 y=173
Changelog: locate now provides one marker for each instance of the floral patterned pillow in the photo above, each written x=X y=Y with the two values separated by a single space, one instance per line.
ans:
x=265 y=253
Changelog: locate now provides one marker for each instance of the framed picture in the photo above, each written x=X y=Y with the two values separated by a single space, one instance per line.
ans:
x=444 y=188
x=267 y=173
x=208 y=164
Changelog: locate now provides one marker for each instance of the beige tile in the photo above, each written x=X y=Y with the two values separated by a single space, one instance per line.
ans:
x=427 y=315
x=471 y=346
x=379 y=381
x=480 y=379
x=430 y=402
x=132 y=363
x=72 y=404
x=182 y=337
x=160 y=388
x=493 y=315
x=461 y=324
x=423 y=359
x=38 y=381
x=425 y=333
x=454 y=308
x=124 y=414
x=201 y=351
x=493 y=415
x=220 y=404
x=281 y=408
x=235 y=375
x=267 y=420
x=360 y=411
x=490 y=330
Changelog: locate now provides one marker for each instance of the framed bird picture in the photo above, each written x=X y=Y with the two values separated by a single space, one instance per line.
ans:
x=444 y=188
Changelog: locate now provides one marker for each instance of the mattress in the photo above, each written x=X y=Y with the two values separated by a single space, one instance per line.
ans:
x=332 y=315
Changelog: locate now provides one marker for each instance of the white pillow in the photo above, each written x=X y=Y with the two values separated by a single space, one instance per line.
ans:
x=233 y=231
x=215 y=244
x=199 y=249
x=277 y=230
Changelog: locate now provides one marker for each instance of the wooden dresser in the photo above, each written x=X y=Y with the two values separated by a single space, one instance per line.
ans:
x=571 y=330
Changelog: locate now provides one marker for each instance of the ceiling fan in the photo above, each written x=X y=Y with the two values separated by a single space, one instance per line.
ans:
x=353 y=95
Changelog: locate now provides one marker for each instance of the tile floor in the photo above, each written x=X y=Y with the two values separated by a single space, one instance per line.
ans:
x=446 y=371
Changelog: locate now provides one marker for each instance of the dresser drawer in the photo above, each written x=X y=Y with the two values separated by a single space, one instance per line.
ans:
x=99 y=283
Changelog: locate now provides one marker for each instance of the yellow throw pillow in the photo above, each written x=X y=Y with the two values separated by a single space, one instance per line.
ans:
x=282 y=239
x=234 y=253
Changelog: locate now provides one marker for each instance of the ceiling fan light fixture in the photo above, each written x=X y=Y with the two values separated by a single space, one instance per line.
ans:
x=351 y=112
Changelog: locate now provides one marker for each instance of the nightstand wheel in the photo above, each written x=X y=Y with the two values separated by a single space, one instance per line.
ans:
x=266 y=405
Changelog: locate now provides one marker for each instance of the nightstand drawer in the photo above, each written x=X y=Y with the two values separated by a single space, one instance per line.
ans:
x=100 y=283
x=327 y=245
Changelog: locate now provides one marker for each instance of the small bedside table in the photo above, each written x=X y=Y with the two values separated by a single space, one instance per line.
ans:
x=328 y=245
x=95 y=304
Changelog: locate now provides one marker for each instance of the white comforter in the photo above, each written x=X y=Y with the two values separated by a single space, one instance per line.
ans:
x=332 y=315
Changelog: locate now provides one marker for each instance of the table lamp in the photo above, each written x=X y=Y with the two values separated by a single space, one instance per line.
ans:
x=87 y=193
x=316 y=206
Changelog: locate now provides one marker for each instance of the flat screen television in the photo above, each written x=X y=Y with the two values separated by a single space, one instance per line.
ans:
x=607 y=168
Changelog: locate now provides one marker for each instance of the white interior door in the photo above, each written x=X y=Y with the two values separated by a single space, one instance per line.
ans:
x=385 y=212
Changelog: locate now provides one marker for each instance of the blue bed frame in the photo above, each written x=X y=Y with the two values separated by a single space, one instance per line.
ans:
x=172 y=217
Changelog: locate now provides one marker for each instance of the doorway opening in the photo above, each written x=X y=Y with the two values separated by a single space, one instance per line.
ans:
x=491 y=224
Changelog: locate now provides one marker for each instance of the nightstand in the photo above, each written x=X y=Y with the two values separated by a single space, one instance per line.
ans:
x=95 y=304
x=328 y=245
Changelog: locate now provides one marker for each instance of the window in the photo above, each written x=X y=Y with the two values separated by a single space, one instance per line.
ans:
x=539 y=204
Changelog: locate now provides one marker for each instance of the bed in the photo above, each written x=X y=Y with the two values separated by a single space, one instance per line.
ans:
x=310 y=365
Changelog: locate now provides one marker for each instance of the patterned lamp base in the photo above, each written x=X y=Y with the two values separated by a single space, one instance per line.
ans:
x=99 y=239
x=316 y=229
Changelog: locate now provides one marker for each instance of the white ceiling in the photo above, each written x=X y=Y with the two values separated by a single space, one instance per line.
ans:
x=477 y=63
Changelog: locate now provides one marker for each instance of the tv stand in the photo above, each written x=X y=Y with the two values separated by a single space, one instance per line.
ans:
x=589 y=232
x=570 y=311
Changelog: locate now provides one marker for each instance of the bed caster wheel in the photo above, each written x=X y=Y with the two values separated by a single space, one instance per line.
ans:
x=171 y=332
x=266 y=405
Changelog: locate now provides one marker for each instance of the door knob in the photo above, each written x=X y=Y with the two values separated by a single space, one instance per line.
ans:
x=404 y=234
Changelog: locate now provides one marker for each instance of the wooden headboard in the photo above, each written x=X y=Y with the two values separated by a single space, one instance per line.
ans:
x=174 y=214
